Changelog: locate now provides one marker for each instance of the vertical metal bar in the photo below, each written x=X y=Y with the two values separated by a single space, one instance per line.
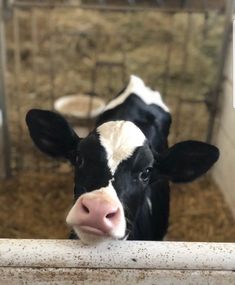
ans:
x=205 y=26
x=34 y=35
x=51 y=57
x=35 y=44
x=17 y=73
x=195 y=83
x=4 y=130
x=216 y=90
x=124 y=66
x=185 y=55
x=94 y=74
x=52 y=71
x=169 y=50
x=109 y=69
x=188 y=36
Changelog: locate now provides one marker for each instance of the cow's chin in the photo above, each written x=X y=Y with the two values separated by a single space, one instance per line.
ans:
x=91 y=237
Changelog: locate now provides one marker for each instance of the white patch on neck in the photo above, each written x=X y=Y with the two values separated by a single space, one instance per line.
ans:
x=150 y=205
x=120 y=139
x=136 y=85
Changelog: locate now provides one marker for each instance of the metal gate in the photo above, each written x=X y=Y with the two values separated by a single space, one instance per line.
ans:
x=54 y=48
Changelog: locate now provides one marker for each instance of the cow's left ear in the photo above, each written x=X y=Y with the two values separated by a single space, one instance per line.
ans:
x=185 y=161
x=52 y=134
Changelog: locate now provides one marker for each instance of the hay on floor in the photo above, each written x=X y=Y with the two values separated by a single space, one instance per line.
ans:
x=34 y=205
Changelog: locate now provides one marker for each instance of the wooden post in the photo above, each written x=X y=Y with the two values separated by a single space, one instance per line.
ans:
x=5 y=169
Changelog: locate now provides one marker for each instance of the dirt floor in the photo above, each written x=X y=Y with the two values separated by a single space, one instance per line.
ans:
x=34 y=205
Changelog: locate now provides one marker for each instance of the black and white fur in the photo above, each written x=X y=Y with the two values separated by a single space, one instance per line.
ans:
x=127 y=157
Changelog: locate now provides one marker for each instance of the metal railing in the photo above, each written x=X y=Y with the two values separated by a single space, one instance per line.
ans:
x=18 y=63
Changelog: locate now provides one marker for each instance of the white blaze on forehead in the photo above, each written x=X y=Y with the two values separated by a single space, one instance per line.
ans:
x=120 y=139
x=136 y=85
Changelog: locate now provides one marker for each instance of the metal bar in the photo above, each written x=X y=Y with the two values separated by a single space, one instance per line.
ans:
x=188 y=36
x=195 y=92
x=192 y=101
x=4 y=129
x=109 y=64
x=34 y=36
x=51 y=58
x=203 y=33
x=124 y=67
x=169 y=51
x=205 y=26
x=184 y=66
x=109 y=77
x=6 y=7
x=35 y=45
x=94 y=77
x=17 y=74
x=216 y=90
x=110 y=8
x=149 y=8
x=184 y=3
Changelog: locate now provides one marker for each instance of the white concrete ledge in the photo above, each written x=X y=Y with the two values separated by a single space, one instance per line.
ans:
x=119 y=254
x=66 y=262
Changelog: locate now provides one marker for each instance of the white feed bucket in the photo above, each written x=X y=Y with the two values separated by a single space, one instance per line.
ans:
x=80 y=110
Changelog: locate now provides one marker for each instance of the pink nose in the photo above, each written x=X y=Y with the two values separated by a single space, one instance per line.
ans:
x=98 y=215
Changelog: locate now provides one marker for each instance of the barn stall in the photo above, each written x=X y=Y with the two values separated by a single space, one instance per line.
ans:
x=60 y=49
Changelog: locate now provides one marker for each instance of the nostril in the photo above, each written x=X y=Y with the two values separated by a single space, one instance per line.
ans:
x=85 y=209
x=111 y=215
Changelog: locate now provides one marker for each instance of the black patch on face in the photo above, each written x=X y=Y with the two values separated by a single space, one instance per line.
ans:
x=91 y=169
x=128 y=185
x=92 y=173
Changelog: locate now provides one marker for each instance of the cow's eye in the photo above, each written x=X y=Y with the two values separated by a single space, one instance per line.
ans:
x=79 y=161
x=144 y=175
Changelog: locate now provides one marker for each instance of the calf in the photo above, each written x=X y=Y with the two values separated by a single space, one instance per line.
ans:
x=123 y=167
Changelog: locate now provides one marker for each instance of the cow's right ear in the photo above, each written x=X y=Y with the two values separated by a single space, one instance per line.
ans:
x=186 y=161
x=52 y=134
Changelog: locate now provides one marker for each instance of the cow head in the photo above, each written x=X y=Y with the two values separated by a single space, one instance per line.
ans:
x=113 y=165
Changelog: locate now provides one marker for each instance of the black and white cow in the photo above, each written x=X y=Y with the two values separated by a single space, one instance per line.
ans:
x=123 y=167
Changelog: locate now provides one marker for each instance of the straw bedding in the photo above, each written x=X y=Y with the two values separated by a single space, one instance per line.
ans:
x=34 y=205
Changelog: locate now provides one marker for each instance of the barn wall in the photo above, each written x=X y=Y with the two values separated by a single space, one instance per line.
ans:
x=224 y=137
